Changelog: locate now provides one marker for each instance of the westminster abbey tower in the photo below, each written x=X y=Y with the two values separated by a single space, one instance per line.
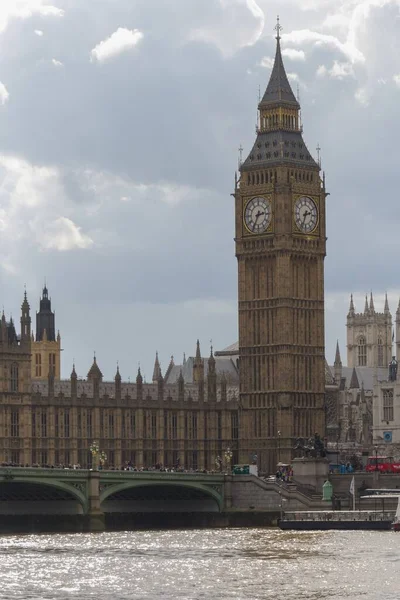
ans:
x=280 y=247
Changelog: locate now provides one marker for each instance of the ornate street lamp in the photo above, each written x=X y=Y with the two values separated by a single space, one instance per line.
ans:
x=98 y=457
x=376 y=458
x=228 y=457
x=279 y=446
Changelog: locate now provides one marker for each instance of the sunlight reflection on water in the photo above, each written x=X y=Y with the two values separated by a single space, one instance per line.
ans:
x=201 y=565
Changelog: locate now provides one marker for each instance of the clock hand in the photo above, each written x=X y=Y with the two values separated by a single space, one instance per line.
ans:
x=258 y=215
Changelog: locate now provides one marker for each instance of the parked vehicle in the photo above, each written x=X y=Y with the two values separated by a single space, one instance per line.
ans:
x=383 y=464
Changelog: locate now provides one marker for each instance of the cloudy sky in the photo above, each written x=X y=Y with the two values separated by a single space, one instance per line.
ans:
x=120 y=122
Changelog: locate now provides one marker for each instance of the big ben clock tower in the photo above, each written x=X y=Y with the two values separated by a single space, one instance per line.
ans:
x=280 y=247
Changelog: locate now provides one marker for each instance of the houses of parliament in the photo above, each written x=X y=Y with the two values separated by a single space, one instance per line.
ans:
x=255 y=397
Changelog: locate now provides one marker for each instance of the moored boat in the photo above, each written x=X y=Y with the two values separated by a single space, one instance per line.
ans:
x=396 y=520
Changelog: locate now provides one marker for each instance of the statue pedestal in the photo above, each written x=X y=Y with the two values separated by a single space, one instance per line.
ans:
x=311 y=471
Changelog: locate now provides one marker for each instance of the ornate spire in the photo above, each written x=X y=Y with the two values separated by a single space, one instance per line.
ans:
x=371 y=304
x=354 y=383
x=73 y=374
x=156 y=370
x=211 y=362
x=198 y=353
x=139 y=378
x=366 y=308
x=95 y=372
x=338 y=361
x=351 y=308
x=117 y=374
x=386 y=309
x=278 y=89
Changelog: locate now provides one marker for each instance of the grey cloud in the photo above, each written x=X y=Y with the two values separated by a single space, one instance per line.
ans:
x=172 y=112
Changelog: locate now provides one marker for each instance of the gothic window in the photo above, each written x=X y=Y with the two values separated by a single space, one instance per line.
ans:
x=89 y=429
x=66 y=423
x=194 y=426
x=38 y=365
x=219 y=425
x=234 y=426
x=14 y=423
x=388 y=405
x=174 y=426
x=133 y=425
x=52 y=362
x=362 y=352
x=43 y=423
x=111 y=425
x=380 y=353
x=154 y=425
x=14 y=378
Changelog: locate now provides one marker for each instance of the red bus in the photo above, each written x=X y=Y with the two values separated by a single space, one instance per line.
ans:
x=383 y=464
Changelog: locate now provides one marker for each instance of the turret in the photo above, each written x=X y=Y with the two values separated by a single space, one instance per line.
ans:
x=198 y=366
x=338 y=365
x=74 y=383
x=351 y=308
x=160 y=387
x=45 y=318
x=212 y=378
x=139 y=385
x=25 y=321
x=366 y=307
x=181 y=387
x=96 y=376
x=371 y=305
x=386 y=309
x=156 y=370
x=117 y=384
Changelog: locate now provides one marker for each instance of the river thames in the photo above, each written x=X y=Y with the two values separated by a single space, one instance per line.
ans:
x=201 y=565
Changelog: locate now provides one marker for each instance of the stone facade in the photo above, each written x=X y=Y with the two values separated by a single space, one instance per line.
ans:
x=369 y=336
x=53 y=422
x=280 y=248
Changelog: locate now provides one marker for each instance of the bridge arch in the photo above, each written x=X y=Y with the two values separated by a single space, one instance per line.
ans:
x=17 y=486
x=199 y=488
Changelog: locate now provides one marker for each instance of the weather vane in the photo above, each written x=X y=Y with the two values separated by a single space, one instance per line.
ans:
x=278 y=28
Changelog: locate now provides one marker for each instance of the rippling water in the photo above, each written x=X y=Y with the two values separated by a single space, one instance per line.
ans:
x=201 y=565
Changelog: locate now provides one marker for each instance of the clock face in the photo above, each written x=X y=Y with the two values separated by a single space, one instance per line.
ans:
x=258 y=214
x=305 y=214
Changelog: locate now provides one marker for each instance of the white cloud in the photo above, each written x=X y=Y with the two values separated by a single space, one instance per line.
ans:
x=39 y=32
x=396 y=79
x=121 y=40
x=304 y=36
x=339 y=70
x=56 y=63
x=294 y=54
x=62 y=234
x=4 y=95
x=241 y=24
x=267 y=62
x=362 y=96
x=24 y=9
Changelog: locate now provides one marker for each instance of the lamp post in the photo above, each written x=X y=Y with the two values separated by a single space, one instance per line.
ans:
x=98 y=458
x=279 y=446
x=228 y=457
x=376 y=458
x=337 y=452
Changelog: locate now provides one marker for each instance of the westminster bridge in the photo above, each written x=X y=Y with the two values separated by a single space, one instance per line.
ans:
x=98 y=497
